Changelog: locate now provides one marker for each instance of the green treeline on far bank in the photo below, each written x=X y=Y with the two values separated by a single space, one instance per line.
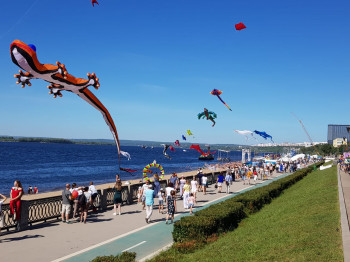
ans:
x=48 y=140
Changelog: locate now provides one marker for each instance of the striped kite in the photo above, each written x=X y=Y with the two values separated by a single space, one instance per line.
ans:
x=217 y=93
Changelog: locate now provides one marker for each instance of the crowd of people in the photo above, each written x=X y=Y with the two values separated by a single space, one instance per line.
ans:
x=81 y=199
x=77 y=200
x=179 y=190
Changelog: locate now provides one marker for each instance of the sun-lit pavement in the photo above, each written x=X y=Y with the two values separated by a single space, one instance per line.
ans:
x=103 y=234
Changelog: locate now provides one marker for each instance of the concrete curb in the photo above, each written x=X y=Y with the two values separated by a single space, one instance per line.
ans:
x=345 y=228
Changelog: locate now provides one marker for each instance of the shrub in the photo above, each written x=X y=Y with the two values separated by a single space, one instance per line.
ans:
x=123 y=257
x=194 y=227
x=226 y=215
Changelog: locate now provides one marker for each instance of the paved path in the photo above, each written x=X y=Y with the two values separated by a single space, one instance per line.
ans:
x=104 y=234
x=344 y=201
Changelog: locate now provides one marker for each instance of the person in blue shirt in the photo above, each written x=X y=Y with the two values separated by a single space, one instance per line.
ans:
x=149 y=193
x=219 y=181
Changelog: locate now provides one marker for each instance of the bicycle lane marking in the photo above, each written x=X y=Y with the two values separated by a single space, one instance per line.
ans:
x=146 y=233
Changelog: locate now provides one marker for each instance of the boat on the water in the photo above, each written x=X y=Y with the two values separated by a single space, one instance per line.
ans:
x=206 y=157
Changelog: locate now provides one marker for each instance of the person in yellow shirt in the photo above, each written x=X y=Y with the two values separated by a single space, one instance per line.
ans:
x=249 y=175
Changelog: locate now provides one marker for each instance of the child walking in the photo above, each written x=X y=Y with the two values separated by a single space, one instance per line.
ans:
x=161 y=201
x=191 y=201
x=171 y=207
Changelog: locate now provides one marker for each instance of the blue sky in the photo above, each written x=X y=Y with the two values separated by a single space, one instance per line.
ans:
x=158 y=60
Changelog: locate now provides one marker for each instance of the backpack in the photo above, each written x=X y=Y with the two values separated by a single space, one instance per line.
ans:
x=82 y=199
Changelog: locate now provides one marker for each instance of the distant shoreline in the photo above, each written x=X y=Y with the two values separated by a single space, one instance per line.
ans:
x=109 y=142
x=52 y=140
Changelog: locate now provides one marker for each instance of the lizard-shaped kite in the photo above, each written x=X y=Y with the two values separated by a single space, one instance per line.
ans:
x=24 y=56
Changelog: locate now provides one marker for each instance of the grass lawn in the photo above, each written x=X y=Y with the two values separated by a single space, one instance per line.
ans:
x=303 y=224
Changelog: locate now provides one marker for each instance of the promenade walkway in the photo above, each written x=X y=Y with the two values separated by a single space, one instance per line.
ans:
x=104 y=234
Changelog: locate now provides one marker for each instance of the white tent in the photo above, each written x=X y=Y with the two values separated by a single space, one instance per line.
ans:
x=284 y=159
x=296 y=157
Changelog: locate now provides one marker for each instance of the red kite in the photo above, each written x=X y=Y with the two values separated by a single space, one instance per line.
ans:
x=93 y=2
x=240 y=26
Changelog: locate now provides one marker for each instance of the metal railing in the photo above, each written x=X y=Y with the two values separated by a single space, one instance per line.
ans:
x=49 y=208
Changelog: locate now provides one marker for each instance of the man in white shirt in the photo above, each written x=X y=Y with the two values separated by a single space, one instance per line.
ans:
x=204 y=184
x=143 y=198
x=93 y=192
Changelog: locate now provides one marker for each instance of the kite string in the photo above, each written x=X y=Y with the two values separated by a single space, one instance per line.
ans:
x=19 y=20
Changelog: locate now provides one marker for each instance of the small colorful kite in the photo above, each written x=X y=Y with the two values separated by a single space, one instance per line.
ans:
x=217 y=93
x=207 y=114
x=263 y=134
x=128 y=170
x=147 y=170
x=197 y=148
x=189 y=132
x=165 y=148
x=93 y=2
x=240 y=26
x=245 y=133
x=176 y=143
x=183 y=138
x=126 y=154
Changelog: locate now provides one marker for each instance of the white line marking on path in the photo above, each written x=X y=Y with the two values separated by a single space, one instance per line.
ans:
x=139 y=244
x=152 y=255
x=126 y=234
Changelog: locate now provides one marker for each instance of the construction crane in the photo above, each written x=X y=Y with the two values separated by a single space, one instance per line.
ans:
x=302 y=125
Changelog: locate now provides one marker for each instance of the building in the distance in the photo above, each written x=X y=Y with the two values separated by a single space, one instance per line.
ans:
x=340 y=141
x=338 y=131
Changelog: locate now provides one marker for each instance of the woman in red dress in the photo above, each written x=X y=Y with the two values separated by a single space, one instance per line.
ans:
x=16 y=195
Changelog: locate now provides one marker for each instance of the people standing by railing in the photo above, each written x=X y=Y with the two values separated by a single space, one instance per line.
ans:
x=75 y=201
x=93 y=192
x=199 y=176
x=204 y=184
x=156 y=184
x=84 y=203
x=15 y=203
x=66 y=204
x=1 y=214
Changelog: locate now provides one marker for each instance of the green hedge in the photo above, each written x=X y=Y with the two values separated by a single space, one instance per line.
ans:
x=123 y=257
x=226 y=215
